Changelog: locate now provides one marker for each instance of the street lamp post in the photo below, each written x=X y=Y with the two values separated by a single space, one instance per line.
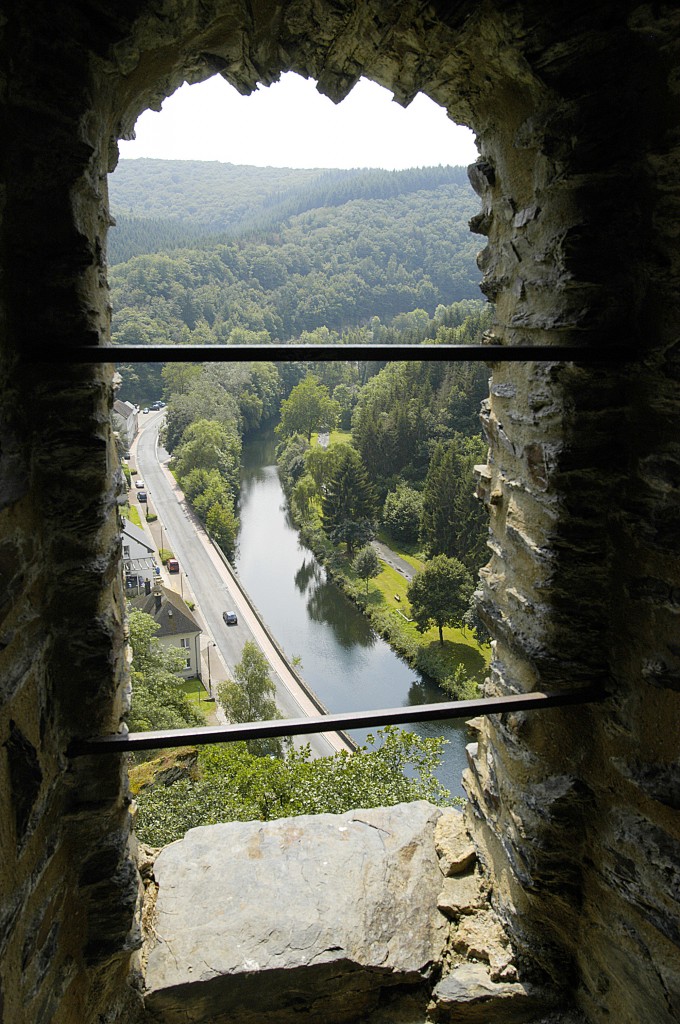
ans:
x=210 y=694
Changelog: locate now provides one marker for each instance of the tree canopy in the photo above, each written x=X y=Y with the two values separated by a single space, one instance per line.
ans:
x=234 y=785
x=453 y=522
x=280 y=265
x=366 y=564
x=440 y=594
x=250 y=697
x=308 y=408
x=348 y=503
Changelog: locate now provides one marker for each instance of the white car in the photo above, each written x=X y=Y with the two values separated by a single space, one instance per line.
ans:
x=139 y=484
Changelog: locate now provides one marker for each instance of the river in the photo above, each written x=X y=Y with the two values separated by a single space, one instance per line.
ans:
x=346 y=663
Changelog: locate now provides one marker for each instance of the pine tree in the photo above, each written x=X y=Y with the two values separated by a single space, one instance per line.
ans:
x=348 y=505
x=453 y=522
x=439 y=496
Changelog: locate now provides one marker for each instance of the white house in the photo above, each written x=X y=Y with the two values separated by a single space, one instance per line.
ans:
x=125 y=420
x=178 y=627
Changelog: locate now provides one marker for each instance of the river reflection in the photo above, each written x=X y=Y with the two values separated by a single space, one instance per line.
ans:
x=346 y=663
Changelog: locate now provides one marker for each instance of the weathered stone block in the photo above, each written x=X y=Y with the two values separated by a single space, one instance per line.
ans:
x=481 y=937
x=462 y=894
x=454 y=846
x=468 y=996
x=260 y=921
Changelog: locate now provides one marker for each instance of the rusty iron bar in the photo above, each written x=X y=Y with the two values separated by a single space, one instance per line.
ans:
x=123 y=743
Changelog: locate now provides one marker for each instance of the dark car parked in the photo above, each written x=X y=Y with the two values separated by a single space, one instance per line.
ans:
x=141 y=496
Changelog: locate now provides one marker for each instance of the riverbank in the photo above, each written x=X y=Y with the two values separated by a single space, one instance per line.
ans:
x=384 y=602
x=345 y=660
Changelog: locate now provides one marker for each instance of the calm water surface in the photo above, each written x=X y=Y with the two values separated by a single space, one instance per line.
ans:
x=344 y=661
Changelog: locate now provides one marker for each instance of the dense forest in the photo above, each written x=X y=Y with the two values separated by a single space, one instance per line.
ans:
x=314 y=257
x=167 y=204
x=210 y=253
x=415 y=436
x=413 y=425
x=273 y=261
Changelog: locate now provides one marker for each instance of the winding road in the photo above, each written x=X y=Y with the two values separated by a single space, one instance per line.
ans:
x=214 y=589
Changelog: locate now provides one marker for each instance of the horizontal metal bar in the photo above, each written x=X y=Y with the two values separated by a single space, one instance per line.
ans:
x=290 y=353
x=128 y=742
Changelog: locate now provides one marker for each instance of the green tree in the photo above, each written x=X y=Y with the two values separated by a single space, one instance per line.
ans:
x=290 y=456
x=211 y=496
x=459 y=685
x=348 y=503
x=321 y=463
x=453 y=521
x=366 y=564
x=222 y=524
x=402 y=511
x=178 y=378
x=303 y=494
x=439 y=495
x=158 y=701
x=207 y=444
x=345 y=395
x=234 y=785
x=249 y=697
x=309 y=407
x=440 y=594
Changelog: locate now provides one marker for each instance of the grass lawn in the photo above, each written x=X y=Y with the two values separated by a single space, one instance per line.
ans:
x=337 y=437
x=130 y=513
x=387 y=595
x=195 y=691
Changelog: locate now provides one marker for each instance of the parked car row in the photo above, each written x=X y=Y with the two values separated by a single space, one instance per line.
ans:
x=172 y=565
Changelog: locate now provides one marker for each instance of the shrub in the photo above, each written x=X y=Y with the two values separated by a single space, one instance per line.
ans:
x=402 y=511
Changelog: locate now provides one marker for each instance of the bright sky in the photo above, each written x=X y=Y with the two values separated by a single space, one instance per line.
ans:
x=290 y=124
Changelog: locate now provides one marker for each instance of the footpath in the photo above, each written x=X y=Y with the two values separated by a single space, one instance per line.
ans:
x=392 y=558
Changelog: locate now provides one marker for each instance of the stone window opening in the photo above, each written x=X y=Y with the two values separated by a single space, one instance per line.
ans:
x=576 y=117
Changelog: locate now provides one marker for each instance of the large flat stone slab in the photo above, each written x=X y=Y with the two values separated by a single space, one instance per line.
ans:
x=303 y=916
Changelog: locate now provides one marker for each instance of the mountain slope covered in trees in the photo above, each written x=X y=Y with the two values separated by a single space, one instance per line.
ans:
x=289 y=252
x=166 y=204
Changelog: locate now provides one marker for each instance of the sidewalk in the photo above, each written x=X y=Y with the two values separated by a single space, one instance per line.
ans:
x=295 y=699
x=393 y=559
x=213 y=669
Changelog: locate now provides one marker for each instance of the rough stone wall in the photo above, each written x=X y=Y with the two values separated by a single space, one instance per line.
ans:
x=576 y=114
x=68 y=888
x=575 y=809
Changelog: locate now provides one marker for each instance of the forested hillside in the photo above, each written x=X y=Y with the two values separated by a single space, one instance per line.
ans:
x=166 y=204
x=319 y=257
x=366 y=244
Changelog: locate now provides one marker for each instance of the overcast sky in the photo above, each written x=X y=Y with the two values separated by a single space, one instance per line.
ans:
x=290 y=124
